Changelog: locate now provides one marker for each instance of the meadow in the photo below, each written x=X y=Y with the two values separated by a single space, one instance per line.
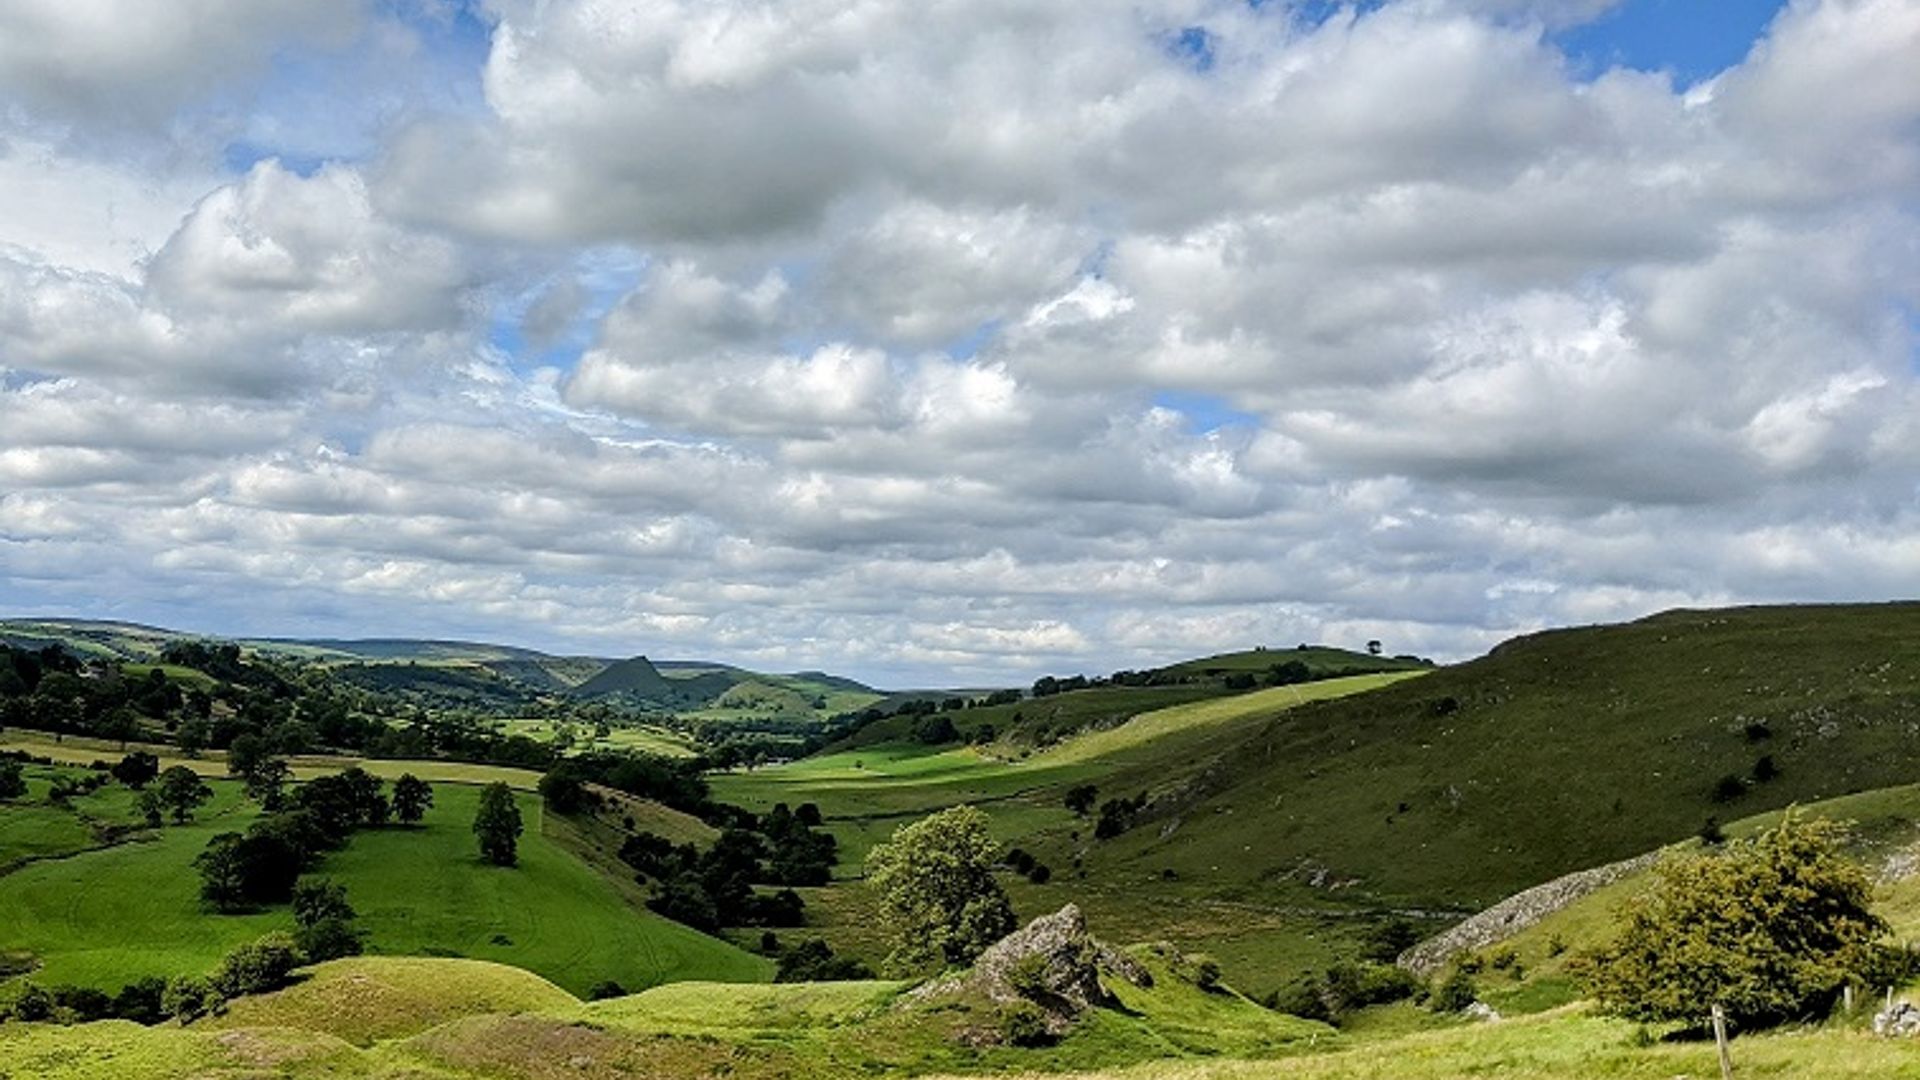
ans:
x=106 y=916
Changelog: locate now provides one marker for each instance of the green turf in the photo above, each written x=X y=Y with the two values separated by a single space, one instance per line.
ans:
x=105 y=917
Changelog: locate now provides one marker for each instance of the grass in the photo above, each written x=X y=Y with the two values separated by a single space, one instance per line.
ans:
x=364 y=1000
x=644 y=739
x=77 y=750
x=103 y=918
x=867 y=792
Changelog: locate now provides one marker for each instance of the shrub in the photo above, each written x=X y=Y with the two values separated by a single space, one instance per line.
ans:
x=1454 y=993
x=1769 y=928
x=1728 y=788
x=258 y=967
x=140 y=1001
x=1022 y=1023
x=813 y=961
x=1199 y=969
x=1711 y=834
x=189 y=996
x=604 y=989
x=12 y=783
x=1387 y=940
x=1765 y=769
x=1028 y=976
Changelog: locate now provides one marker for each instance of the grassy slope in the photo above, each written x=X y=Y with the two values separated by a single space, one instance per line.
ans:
x=1566 y=750
x=373 y=1017
x=104 y=917
x=868 y=792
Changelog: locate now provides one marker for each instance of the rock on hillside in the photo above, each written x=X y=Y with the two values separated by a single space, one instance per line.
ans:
x=1052 y=962
x=1516 y=913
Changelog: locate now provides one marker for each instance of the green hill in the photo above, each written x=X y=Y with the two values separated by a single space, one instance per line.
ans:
x=1275 y=836
x=106 y=916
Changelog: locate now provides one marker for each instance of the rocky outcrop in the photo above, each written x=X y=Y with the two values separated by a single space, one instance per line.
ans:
x=1516 y=913
x=1898 y=1020
x=1052 y=962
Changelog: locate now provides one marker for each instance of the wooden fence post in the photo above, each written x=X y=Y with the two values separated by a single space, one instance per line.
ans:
x=1720 y=1040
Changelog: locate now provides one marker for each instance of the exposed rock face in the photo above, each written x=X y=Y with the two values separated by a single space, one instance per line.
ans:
x=1052 y=959
x=1482 y=1012
x=1516 y=913
x=1051 y=962
x=1898 y=1020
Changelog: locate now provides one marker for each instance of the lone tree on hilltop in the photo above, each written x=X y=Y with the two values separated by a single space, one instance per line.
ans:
x=497 y=825
x=1769 y=929
x=938 y=895
x=411 y=798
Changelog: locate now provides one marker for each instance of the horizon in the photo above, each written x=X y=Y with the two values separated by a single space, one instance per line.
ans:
x=939 y=345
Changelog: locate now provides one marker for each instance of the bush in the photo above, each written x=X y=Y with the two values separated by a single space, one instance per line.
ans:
x=1028 y=976
x=189 y=996
x=1454 y=993
x=1022 y=1023
x=1728 y=788
x=141 y=1001
x=1199 y=969
x=1769 y=928
x=604 y=989
x=813 y=961
x=258 y=967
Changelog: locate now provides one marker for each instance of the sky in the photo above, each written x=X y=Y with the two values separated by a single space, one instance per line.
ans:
x=955 y=341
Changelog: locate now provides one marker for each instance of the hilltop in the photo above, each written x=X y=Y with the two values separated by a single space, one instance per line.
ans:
x=504 y=680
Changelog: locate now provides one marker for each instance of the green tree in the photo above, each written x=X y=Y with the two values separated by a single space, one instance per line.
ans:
x=1769 y=928
x=411 y=798
x=938 y=896
x=137 y=770
x=1080 y=798
x=181 y=792
x=497 y=825
x=324 y=921
x=12 y=783
x=258 y=967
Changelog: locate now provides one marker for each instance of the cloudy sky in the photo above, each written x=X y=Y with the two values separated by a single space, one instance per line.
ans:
x=952 y=341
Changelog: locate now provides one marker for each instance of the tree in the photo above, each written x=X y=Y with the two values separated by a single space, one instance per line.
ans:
x=563 y=792
x=266 y=782
x=497 y=825
x=12 y=784
x=938 y=896
x=324 y=921
x=411 y=798
x=1768 y=928
x=1080 y=798
x=258 y=967
x=137 y=769
x=181 y=792
x=1373 y=648
x=223 y=872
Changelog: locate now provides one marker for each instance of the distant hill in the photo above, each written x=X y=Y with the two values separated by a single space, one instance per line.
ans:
x=636 y=677
x=489 y=676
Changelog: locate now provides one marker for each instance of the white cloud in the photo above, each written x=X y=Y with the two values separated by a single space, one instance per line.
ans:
x=964 y=340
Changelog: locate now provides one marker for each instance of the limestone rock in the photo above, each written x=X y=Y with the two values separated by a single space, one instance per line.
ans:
x=1898 y=1020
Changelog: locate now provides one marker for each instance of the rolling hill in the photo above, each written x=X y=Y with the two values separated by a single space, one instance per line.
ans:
x=503 y=680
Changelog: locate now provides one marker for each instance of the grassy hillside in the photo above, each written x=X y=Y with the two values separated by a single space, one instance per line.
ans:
x=106 y=916
x=464 y=1021
x=1556 y=752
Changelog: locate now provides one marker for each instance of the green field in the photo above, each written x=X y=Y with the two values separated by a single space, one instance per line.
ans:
x=105 y=917
x=643 y=739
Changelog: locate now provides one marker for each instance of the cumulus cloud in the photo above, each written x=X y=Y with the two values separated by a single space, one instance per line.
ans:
x=124 y=62
x=960 y=341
